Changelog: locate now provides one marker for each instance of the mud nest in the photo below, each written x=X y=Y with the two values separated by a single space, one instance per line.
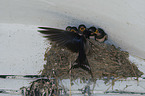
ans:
x=105 y=61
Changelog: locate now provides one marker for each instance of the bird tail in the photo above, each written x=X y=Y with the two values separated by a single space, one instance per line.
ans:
x=84 y=65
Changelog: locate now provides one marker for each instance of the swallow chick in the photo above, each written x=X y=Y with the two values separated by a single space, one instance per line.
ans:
x=99 y=34
x=93 y=30
x=68 y=28
x=83 y=30
x=74 y=29
x=73 y=42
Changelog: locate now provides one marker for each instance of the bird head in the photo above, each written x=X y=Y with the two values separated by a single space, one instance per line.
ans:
x=82 y=28
x=68 y=28
x=73 y=29
x=93 y=30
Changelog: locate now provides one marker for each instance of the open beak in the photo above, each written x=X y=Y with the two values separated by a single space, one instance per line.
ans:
x=72 y=30
x=96 y=32
x=82 y=29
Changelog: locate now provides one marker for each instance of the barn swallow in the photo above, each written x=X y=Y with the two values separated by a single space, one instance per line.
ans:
x=92 y=29
x=74 y=29
x=68 y=28
x=83 y=30
x=72 y=41
x=99 y=34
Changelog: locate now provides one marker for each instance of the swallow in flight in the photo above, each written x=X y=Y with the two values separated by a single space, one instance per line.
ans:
x=72 y=41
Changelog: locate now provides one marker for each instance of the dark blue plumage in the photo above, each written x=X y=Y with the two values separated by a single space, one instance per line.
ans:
x=73 y=42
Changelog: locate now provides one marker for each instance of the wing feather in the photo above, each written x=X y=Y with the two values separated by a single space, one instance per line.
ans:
x=61 y=37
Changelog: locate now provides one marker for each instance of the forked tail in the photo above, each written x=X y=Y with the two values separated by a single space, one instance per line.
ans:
x=84 y=65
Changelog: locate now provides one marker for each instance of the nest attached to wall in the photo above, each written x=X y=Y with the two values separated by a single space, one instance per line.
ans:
x=105 y=61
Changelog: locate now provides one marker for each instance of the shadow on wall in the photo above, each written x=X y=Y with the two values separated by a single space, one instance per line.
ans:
x=63 y=20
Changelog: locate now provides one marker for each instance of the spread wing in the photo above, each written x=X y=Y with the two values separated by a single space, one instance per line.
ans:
x=63 y=38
